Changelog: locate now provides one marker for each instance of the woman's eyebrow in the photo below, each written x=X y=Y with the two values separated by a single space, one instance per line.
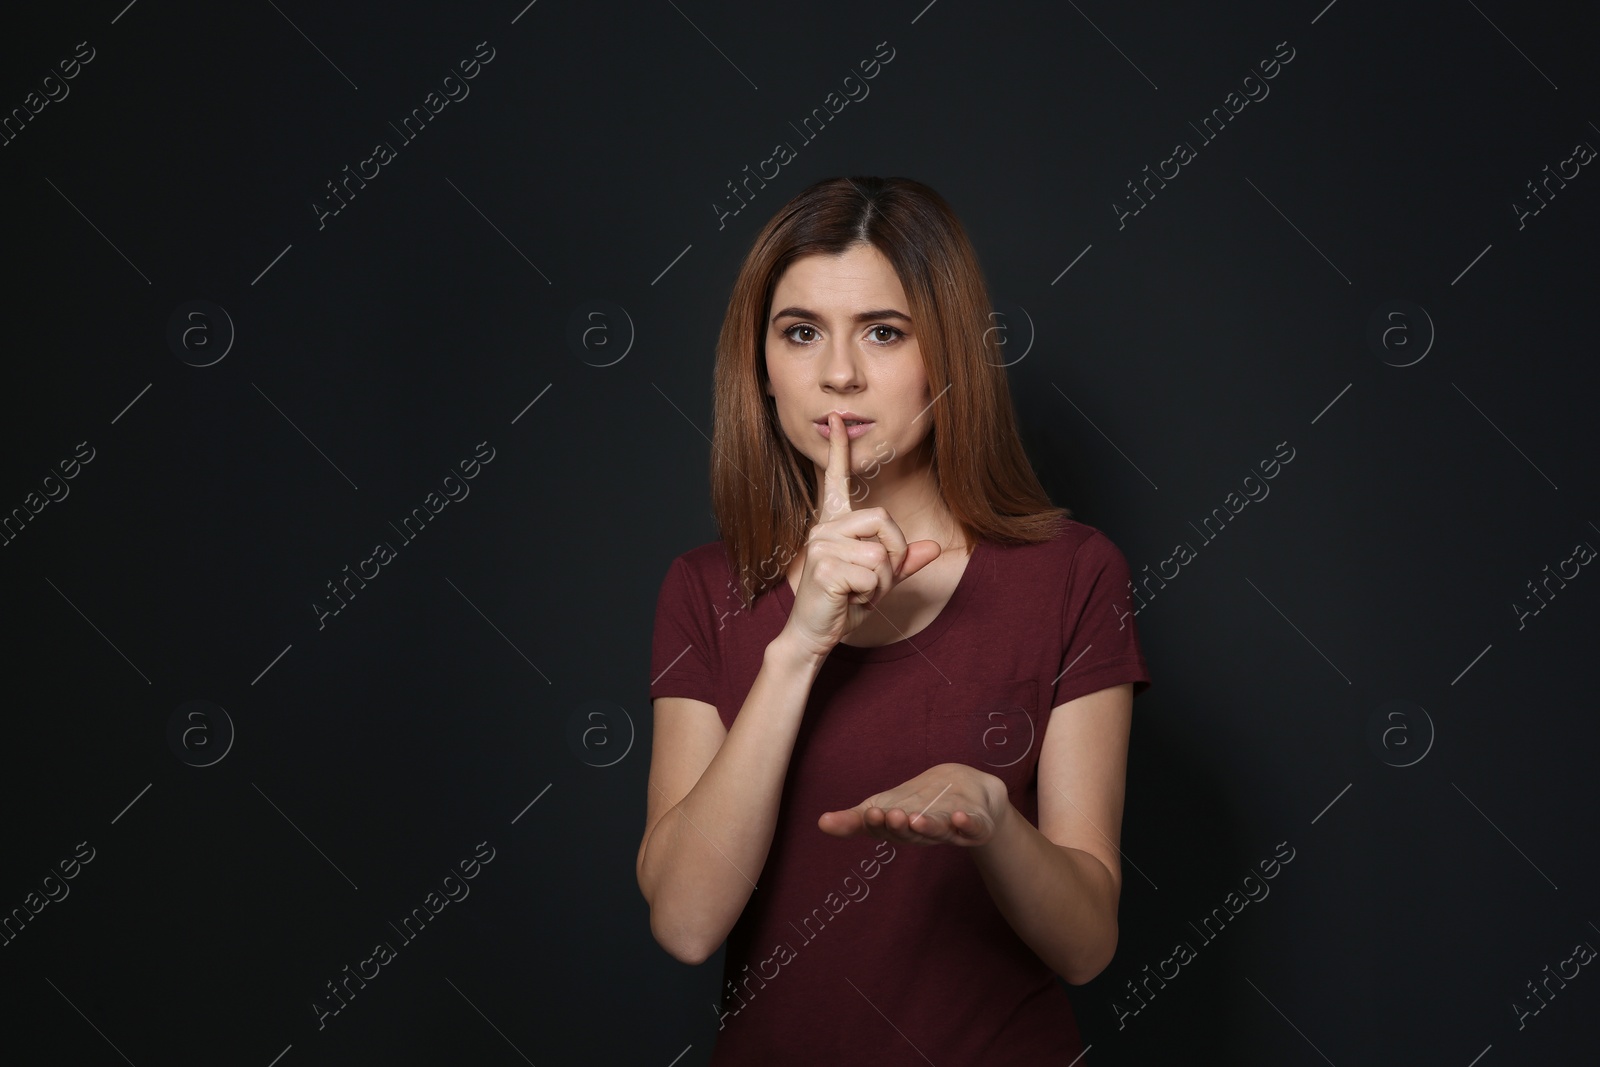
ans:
x=860 y=316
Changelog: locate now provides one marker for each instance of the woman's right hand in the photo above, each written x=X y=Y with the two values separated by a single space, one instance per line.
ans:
x=853 y=558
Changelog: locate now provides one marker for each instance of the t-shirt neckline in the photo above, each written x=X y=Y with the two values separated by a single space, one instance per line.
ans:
x=906 y=646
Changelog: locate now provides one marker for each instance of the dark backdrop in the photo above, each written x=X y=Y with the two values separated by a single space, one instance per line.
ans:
x=224 y=785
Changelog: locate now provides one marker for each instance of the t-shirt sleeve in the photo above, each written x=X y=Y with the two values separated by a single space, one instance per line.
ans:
x=1100 y=636
x=682 y=655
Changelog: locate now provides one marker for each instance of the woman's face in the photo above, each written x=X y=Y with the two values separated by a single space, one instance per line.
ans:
x=840 y=338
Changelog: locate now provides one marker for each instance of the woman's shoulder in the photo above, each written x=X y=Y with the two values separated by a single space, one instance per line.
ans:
x=702 y=557
x=1075 y=557
x=1072 y=540
x=703 y=566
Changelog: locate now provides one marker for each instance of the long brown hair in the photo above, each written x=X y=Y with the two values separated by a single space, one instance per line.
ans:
x=763 y=489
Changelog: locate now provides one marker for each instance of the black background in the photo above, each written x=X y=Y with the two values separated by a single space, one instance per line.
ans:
x=501 y=660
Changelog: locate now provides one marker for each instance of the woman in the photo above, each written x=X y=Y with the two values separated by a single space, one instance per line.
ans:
x=889 y=756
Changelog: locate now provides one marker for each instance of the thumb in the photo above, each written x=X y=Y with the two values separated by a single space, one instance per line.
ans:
x=918 y=555
x=840 y=823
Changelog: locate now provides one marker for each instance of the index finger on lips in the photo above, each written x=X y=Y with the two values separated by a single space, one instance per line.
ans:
x=835 y=488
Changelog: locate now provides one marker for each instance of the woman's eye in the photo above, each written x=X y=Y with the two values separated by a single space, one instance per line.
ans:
x=894 y=334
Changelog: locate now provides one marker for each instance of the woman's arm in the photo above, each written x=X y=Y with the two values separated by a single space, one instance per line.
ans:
x=1058 y=884
x=710 y=825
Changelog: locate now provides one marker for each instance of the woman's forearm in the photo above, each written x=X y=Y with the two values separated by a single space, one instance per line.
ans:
x=1061 y=901
x=703 y=858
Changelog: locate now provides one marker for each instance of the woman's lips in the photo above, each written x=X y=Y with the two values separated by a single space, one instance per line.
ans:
x=852 y=432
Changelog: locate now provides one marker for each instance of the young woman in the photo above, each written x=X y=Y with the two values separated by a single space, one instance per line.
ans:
x=892 y=704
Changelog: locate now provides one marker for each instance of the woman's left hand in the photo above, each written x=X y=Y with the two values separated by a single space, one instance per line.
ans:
x=951 y=804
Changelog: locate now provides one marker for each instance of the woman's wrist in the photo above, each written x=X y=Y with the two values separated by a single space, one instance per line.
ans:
x=786 y=653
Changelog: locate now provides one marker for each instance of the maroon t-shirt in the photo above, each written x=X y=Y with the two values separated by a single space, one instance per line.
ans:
x=856 y=950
